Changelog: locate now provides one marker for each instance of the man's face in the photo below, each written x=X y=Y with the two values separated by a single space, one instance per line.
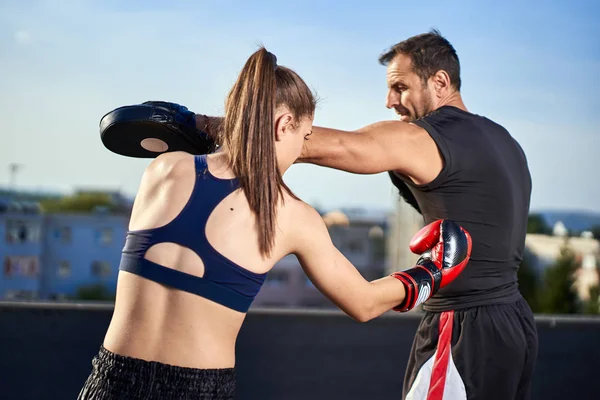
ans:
x=407 y=94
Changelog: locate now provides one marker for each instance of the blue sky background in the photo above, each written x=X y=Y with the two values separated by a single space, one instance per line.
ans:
x=531 y=66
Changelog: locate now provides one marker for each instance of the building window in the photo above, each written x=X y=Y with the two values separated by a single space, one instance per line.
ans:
x=104 y=236
x=64 y=269
x=22 y=231
x=100 y=268
x=25 y=266
x=63 y=234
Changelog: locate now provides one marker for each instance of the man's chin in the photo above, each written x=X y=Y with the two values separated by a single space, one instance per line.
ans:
x=406 y=118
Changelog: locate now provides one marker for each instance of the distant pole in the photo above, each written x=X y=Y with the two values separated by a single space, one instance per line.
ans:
x=406 y=221
x=13 y=169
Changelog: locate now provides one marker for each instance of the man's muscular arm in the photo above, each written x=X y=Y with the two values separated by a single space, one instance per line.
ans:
x=379 y=147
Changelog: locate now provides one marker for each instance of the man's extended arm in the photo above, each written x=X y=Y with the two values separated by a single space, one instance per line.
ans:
x=384 y=146
x=379 y=147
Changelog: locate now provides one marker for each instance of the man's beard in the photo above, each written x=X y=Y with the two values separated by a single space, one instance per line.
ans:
x=426 y=106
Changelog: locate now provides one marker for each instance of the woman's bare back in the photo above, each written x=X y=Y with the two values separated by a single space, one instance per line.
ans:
x=155 y=322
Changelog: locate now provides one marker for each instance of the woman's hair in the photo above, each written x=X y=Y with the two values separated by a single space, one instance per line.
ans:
x=249 y=134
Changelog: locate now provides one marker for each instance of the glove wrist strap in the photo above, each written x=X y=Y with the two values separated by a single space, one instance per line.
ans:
x=420 y=283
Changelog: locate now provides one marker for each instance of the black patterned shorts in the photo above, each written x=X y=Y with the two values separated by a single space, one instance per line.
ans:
x=119 y=377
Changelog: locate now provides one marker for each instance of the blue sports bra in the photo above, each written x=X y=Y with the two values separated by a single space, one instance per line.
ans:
x=224 y=282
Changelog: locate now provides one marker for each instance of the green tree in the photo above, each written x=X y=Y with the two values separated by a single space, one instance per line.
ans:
x=97 y=292
x=596 y=231
x=537 y=224
x=529 y=284
x=592 y=305
x=78 y=203
x=559 y=296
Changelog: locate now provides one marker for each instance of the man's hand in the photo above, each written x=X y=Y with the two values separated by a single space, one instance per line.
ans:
x=212 y=126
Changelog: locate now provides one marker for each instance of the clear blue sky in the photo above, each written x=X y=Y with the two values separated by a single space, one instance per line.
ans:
x=531 y=67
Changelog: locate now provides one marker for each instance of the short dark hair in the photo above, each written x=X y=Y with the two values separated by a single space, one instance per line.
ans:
x=429 y=53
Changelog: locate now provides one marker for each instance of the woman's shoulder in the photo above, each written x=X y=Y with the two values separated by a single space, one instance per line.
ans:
x=170 y=164
x=301 y=224
x=298 y=212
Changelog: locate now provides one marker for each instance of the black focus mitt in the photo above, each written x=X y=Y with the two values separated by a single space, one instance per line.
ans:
x=152 y=128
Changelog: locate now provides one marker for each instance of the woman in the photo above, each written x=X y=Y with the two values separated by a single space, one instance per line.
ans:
x=205 y=230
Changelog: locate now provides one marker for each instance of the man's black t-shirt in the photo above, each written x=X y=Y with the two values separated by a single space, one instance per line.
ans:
x=485 y=186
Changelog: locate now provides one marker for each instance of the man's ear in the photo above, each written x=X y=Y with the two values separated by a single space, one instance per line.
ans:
x=283 y=125
x=441 y=83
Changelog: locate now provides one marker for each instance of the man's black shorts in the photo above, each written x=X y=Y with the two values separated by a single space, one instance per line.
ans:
x=487 y=352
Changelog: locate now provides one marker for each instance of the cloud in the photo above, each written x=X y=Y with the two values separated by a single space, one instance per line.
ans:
x=22 y=38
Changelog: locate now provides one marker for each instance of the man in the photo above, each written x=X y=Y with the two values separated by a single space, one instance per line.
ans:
x=477 y=339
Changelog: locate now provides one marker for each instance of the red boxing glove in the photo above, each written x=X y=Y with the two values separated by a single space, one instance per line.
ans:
x=445 y=249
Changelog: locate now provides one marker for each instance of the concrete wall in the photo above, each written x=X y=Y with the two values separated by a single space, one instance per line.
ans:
x=46 y=350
